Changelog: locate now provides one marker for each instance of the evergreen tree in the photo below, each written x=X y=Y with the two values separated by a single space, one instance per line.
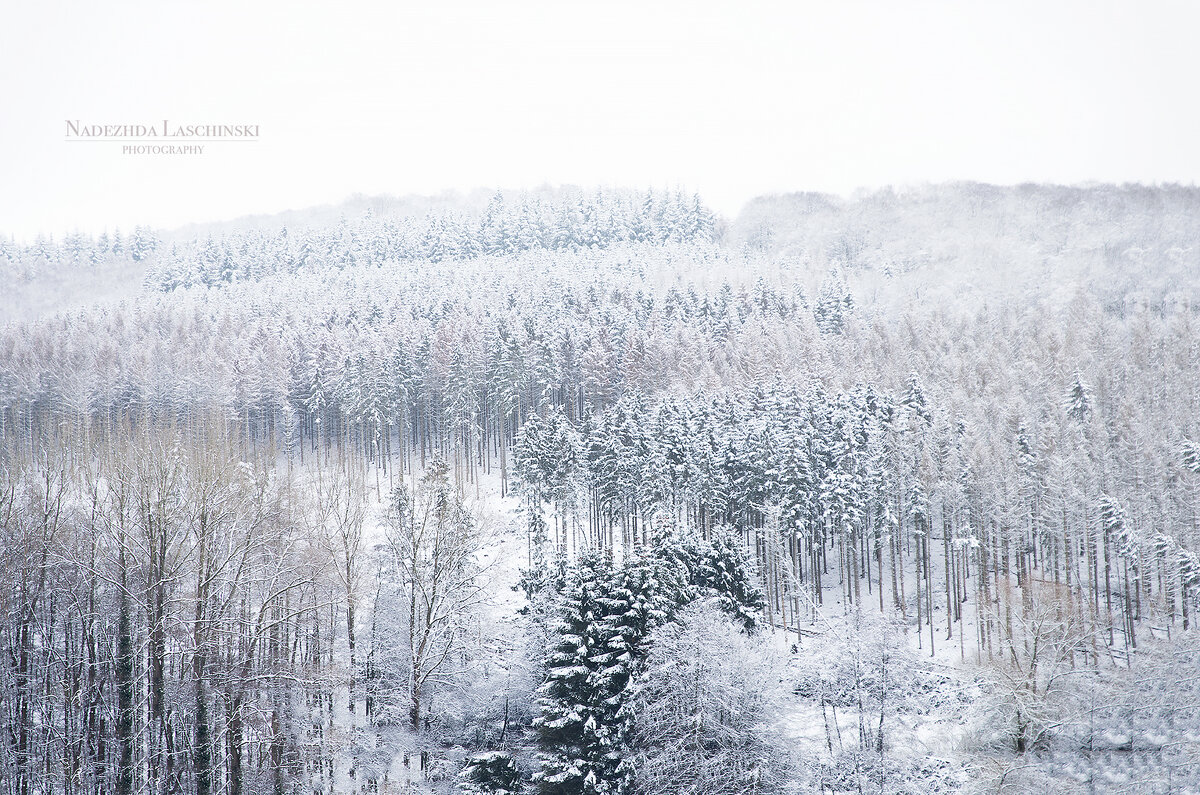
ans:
x=606 y=615
x=578 y=748
x=490 y=773
x=1078 y=402
x=493 y=232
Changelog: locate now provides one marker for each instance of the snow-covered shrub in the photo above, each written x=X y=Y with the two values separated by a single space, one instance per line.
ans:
x=706 y=711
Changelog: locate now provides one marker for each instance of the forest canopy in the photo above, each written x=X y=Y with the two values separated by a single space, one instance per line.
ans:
x=260 y=501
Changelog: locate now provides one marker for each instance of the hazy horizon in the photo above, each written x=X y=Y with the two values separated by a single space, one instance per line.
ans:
x=464 y=196
x=731 y=103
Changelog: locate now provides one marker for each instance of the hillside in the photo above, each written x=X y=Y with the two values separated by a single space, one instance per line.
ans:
x=593 y=490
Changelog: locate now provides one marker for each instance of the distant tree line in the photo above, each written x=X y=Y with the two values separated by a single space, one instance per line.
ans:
x=506 y=226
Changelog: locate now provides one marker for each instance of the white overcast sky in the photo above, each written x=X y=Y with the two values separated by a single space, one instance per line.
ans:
x=732 y=99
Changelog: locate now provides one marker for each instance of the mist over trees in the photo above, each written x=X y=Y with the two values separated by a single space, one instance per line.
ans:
x=835 y=460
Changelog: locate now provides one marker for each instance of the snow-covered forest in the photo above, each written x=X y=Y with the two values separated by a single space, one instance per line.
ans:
x=596 y=491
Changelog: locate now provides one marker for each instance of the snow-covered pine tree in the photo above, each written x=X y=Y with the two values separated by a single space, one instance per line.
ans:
x=716 y=567
x=1078 y=401
x=490 y=773
x=577 y=747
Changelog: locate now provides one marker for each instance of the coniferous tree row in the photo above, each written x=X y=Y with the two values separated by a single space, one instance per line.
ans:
x=841 y=492
x=507 y=225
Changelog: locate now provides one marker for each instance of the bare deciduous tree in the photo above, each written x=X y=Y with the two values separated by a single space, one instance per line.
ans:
x=434 y=545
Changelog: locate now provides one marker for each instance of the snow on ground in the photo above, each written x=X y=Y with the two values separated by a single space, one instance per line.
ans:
x=930 y=699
